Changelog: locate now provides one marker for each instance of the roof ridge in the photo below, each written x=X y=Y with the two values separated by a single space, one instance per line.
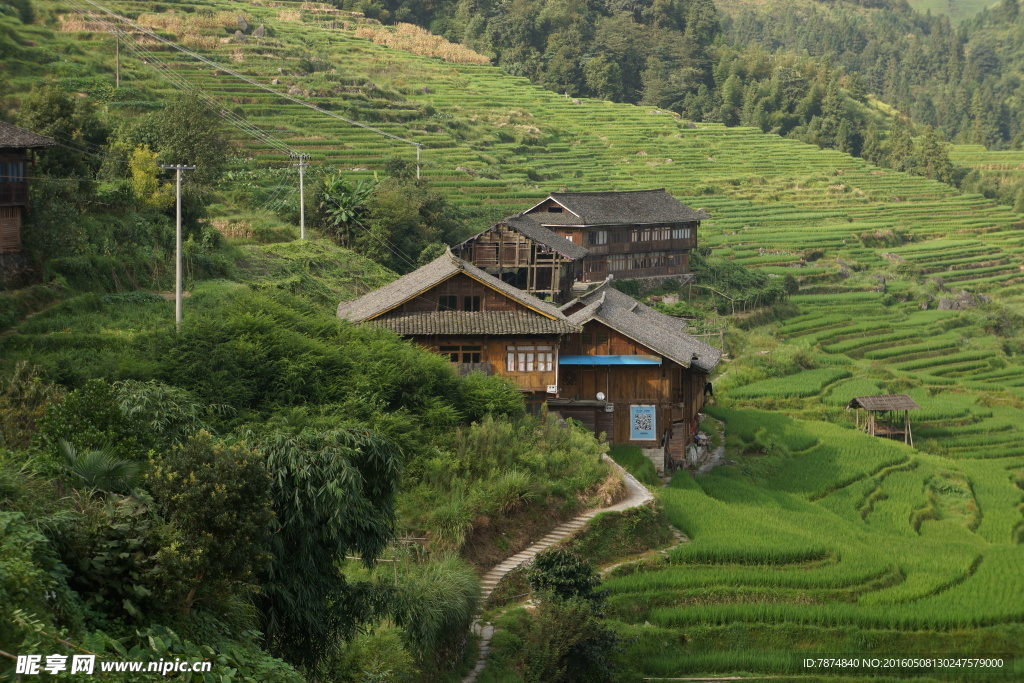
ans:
x=570 y=192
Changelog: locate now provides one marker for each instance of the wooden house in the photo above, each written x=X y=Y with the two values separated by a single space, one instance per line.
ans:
x=521 y=252
x=630 y=235
x=633 y=373
x=15 y=144
x=480 y=322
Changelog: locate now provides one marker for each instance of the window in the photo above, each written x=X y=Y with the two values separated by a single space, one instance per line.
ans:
x=680 y=233
x=12 y=172
x=602 y=339
x=554 y=209
x=530 y=358
x=462 y=354
x=597 y=237
x=448 y=303
x=471 y=303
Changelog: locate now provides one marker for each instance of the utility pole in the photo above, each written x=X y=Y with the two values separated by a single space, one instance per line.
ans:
x=117 y=58
x=177 y=252
x=303 y=158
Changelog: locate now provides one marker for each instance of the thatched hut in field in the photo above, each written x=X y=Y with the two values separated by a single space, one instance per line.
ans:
x=883 y=415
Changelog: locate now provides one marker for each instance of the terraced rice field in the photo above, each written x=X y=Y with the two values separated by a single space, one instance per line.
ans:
x=820 y=539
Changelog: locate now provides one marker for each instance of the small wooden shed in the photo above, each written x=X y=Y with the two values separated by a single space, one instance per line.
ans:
x=884 y=415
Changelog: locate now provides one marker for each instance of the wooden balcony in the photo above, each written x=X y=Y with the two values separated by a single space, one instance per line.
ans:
x=13 y=194
x=636 y=273
x=674 y=246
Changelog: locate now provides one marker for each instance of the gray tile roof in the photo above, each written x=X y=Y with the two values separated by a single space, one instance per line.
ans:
x=528 y=225
x=531 y=227
x=408 y=286
x=633 y=207
x=469 y=323
x=13 y=137
x=661 y=333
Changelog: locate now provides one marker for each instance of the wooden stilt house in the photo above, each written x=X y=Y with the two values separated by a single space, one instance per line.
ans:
x=633 y=373
x=640 y=234
x=478 y=321
x=887 y=415
x=521 y=252
x=15 y=144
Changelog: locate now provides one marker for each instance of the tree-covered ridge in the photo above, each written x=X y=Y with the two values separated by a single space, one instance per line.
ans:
x=956 y=79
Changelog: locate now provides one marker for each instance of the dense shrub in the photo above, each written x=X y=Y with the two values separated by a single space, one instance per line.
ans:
x=91 y=418
x=218 y=499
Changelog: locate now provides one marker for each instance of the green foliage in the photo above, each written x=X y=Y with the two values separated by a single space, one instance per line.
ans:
x=377 y=655
x=25 y=396
x=73 y=123
x=483 y=395
x=115 y=549
x=218 y=499
x=565 y=575
x=636 y=463
x=100 y=469
x=341 y=209
x=563 y=641
x=170 y=414
x=91 y=418
x=333 y=495
x=435 y=607
x=26 y=562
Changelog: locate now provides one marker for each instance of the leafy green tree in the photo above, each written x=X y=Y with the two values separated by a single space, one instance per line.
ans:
x=565 y=641
x=873 y=150
x=73 y=124
x=334 y=496
x=933 y=158
x=341 y=208
x=91 y=418
x=145 y=170
x=187 y=133
x=901 y=147
x=218 y=499
x=25 y=395
x=564 y=574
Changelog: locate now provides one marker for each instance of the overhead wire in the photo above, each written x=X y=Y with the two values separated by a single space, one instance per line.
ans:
x=150 y=59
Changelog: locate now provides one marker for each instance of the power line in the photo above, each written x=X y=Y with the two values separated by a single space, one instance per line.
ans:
x=178 y=81
x=226 y=70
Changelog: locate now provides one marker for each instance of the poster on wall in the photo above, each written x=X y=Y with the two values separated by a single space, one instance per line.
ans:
x=641 y=423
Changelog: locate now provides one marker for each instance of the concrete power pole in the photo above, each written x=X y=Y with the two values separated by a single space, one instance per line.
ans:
x=303 y=158
x=177 y=252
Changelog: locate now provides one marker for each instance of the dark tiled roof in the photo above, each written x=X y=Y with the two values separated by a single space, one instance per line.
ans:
x=527 y=225
x=469 y=323
x=661 y=333
x=619 y=208
x=395 y=293
x=884 y=402
x=13 y=137
x=531 y=227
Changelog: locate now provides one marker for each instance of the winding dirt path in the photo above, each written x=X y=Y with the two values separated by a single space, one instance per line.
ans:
x=637 y=495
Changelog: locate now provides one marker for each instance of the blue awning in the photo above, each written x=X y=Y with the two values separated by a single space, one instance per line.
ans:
x=609 y=360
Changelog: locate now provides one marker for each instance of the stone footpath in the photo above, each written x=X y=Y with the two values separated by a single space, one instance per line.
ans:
x=637 y=495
